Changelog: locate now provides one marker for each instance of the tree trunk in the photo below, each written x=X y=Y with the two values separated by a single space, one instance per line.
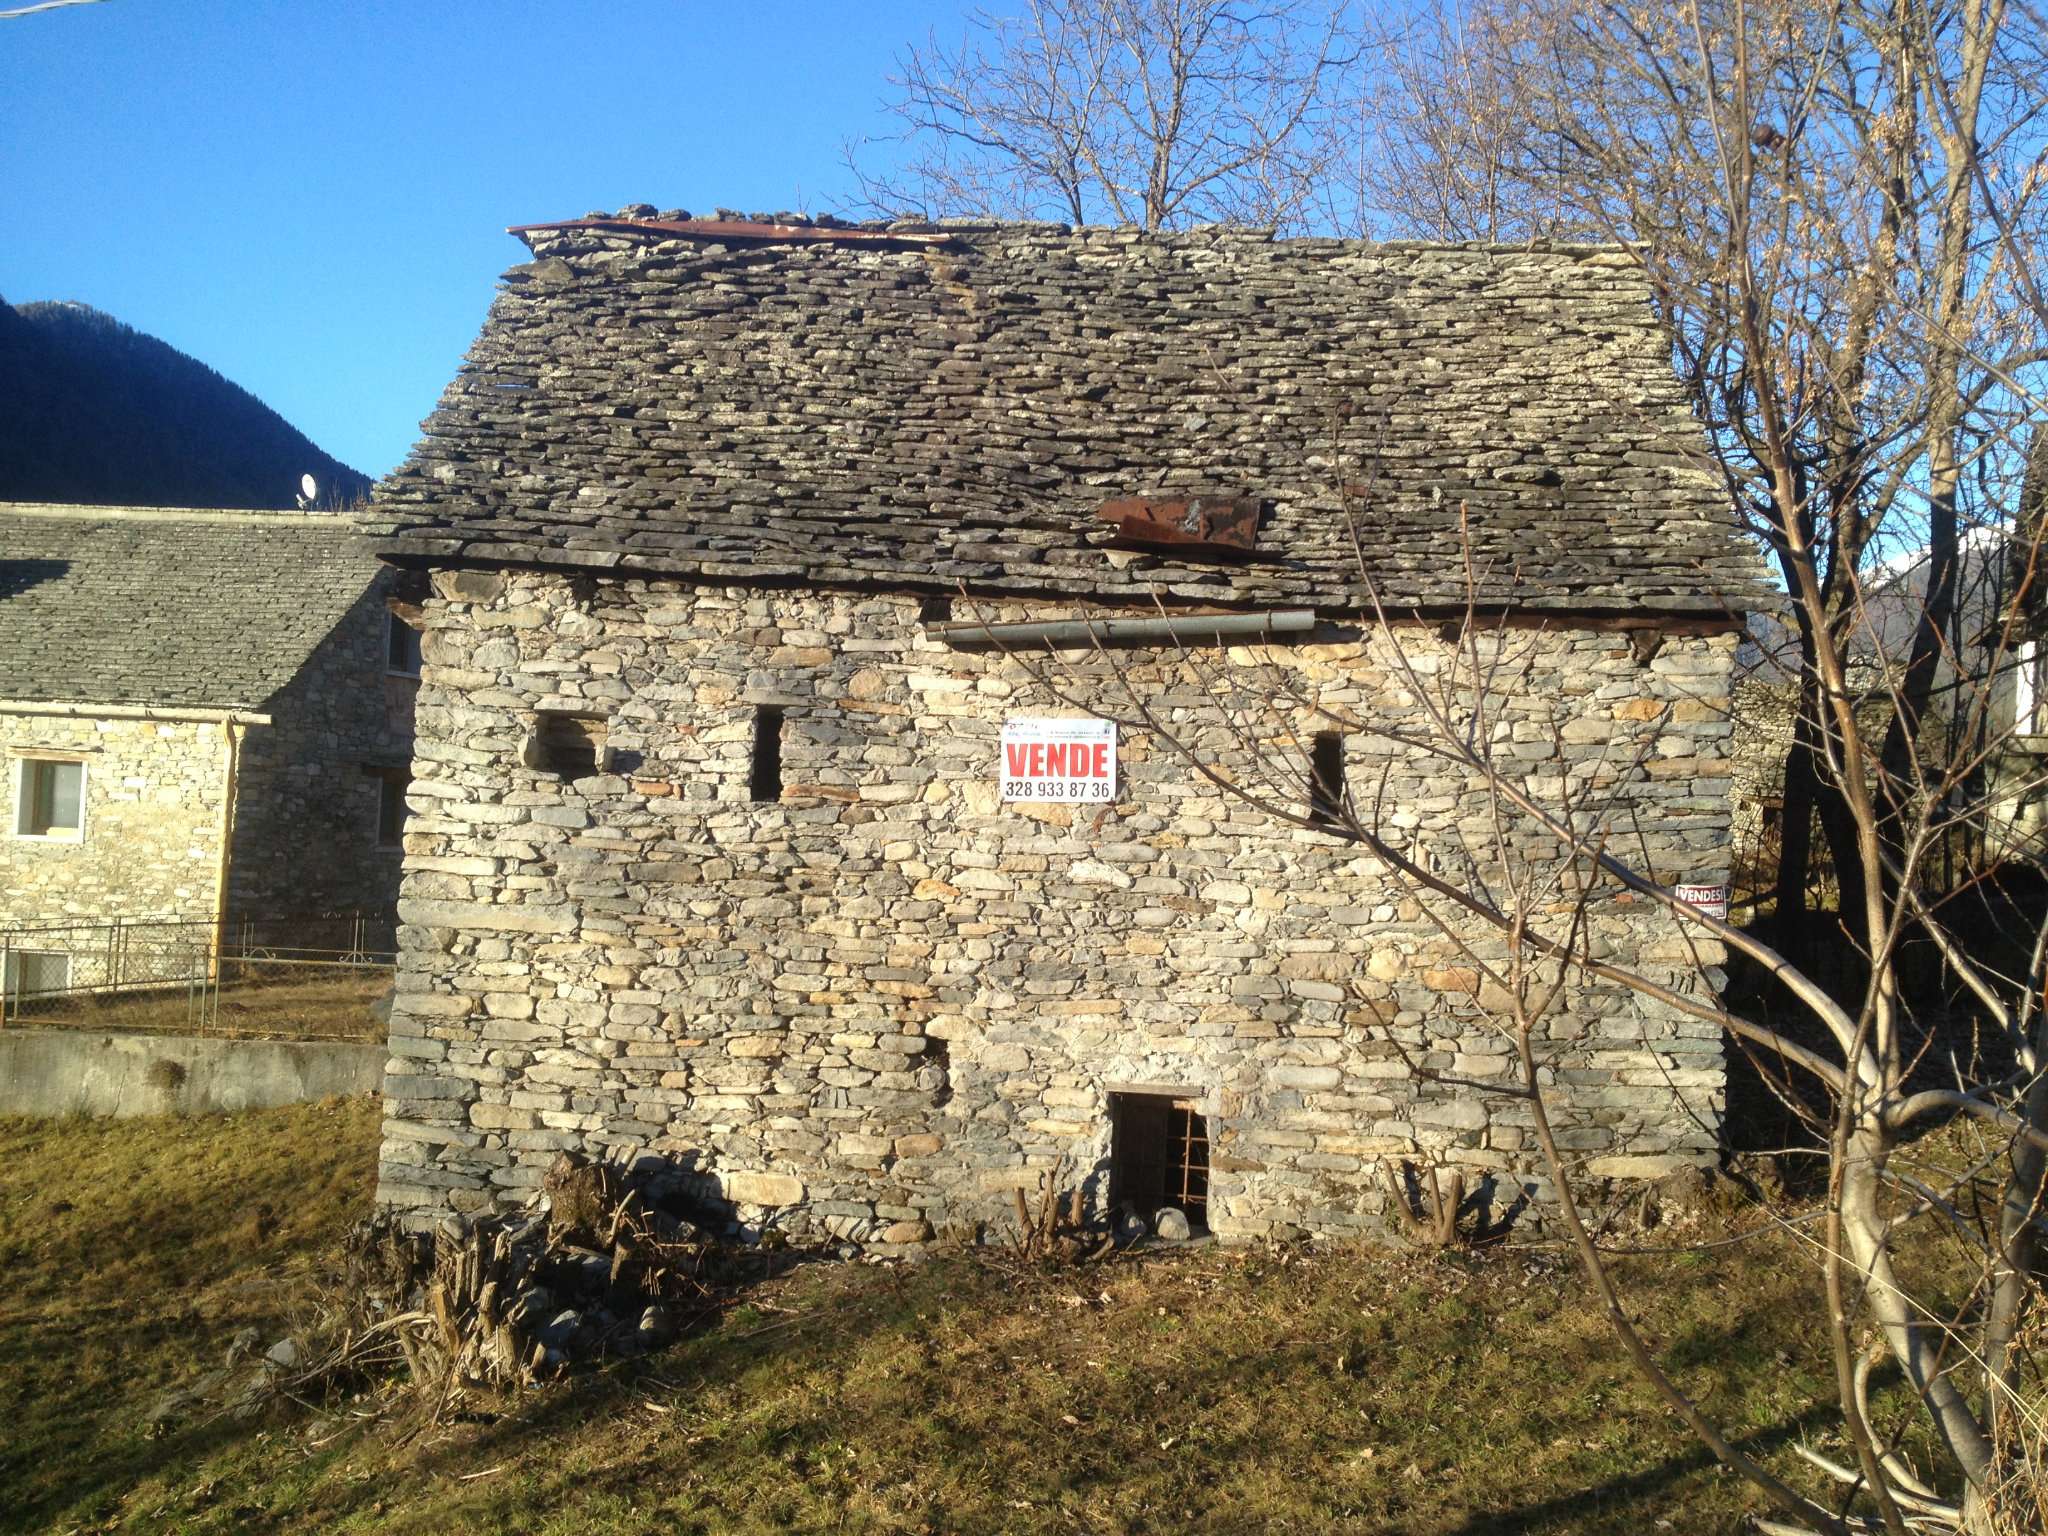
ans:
x=1811 y=794
x=1795 y=846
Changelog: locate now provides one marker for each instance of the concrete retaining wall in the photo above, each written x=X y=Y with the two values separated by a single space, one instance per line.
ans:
x=96 y=1072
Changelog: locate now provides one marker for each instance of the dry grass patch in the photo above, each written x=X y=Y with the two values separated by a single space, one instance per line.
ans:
x=132 y=1250
x=1204 y=1390
x=327 y=1005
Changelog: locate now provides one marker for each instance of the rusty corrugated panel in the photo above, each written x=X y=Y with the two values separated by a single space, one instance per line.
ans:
x=1215 y=522
x=726 y=229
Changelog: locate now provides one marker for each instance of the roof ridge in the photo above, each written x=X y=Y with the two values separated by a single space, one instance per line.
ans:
x=351 y=523
x=801 y=229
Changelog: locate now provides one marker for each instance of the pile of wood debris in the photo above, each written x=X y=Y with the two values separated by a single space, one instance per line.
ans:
x=509 y=1302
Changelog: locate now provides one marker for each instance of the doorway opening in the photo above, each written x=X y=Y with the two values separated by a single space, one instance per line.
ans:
x=1159 y=1156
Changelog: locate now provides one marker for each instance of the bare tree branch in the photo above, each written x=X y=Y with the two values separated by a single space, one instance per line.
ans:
x=1155 y=113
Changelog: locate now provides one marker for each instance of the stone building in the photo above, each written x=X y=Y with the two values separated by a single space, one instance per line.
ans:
x=737 y=537
x=203 y=715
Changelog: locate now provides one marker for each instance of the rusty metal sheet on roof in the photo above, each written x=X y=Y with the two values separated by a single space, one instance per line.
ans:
x=1227 y=523
x=731 y=229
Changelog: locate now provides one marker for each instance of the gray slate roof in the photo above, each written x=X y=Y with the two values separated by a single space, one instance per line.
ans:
x=148 y=606
x=926 y=417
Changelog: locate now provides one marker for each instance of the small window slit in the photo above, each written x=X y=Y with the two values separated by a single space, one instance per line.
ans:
x=764 y=781
x=569 y=746
x=1326 y=791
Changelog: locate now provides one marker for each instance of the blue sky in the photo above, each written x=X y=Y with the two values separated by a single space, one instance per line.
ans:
x=311 y=197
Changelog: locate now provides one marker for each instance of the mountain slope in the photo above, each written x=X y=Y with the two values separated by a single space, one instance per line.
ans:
x=96 y=412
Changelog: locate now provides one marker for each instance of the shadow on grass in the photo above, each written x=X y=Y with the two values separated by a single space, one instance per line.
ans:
x=723 y=1354
x=117 y=1472
x=91 y=1448
x=133 y=1250
x=1566 y=1512
x=959 y=1398
x=806 y=1438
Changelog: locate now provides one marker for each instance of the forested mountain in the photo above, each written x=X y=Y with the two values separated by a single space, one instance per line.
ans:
x=94 y=411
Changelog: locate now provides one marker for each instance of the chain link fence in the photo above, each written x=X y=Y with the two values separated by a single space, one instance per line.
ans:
x=293 y=977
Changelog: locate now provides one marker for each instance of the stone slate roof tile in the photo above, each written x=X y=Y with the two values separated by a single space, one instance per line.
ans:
x=172 y=608
x=931 y=418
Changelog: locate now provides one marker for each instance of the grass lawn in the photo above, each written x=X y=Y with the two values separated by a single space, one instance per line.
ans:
x=305 y=1005
x=1261 y=1390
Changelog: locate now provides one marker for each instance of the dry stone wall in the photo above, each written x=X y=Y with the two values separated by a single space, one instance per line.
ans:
x=1764 y=709
x=867 y=1011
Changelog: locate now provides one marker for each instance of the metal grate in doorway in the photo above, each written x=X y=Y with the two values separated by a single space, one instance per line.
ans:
x=1159 y=1155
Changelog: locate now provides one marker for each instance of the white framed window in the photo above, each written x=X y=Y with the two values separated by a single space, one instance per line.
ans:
x=49 y=798
x=35 y=973
x=401 y=647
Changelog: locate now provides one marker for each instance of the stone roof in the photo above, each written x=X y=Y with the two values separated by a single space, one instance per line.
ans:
x=715 y=403
x=172 y=608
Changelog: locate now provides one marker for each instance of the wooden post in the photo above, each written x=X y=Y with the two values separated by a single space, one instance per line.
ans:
x=227 y=836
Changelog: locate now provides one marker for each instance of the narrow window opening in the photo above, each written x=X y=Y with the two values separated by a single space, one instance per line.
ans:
x=1159 y=1156
x=401 y=647
x=392 y=784
x=52 y=798
x=935 y=610
x=764 y=782
x=569 y=746
x=1326 y=779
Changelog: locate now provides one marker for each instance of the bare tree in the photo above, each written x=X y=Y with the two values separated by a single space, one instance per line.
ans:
x=1154 y=113
x=1929 y=1240
x=1443 y=151
x=1839 y=211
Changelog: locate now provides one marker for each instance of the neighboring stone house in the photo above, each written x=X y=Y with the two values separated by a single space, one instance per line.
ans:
x=202 y=715
x=709 y=858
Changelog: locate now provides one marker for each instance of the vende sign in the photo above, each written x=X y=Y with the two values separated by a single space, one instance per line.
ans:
x=1064 y=760
x=1710 y=899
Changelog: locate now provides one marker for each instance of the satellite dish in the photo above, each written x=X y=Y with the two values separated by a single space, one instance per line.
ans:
x=309 y=488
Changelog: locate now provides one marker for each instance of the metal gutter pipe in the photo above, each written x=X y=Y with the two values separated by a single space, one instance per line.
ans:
x=1195 y=628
